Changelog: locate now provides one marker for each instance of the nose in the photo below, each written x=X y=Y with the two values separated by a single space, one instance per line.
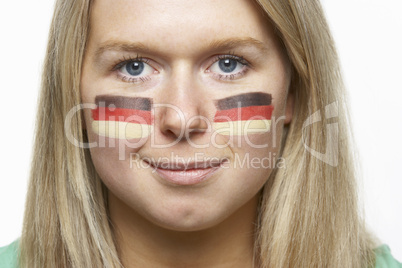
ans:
x=182 y=109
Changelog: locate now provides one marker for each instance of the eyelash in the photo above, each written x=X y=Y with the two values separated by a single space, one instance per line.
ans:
x=228 y=77
x=123 y=61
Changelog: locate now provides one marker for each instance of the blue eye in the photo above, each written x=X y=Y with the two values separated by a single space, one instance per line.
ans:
x=227 y=65
x=134 y=68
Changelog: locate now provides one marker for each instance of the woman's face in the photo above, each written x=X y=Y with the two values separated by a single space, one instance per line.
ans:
x=170 y=70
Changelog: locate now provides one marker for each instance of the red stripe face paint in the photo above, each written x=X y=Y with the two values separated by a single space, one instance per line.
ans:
x=122 y=117
x=244 y=114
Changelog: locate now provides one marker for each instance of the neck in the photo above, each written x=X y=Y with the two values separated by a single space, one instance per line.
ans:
x=143 y=244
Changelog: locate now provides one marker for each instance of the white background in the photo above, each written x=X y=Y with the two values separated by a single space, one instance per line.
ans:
x=368 y=34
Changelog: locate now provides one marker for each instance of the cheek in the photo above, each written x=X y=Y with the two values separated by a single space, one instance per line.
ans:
x=119 y=125
x=112 y=158
x=244 y=114
x=114 y=152
x=252 y=120
x=118 y=167
x=255 y=154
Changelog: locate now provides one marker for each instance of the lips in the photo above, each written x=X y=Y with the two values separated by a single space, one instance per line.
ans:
x=190 y=173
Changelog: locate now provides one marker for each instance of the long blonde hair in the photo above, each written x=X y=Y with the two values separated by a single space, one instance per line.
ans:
x=308 y=215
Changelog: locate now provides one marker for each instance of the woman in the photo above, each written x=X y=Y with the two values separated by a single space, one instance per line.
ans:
x=199 y=142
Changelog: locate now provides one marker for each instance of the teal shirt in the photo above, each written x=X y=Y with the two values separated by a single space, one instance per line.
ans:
x=384 y=259
x=8 y=255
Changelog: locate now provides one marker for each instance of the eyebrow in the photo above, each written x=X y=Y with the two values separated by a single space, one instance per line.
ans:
x=237 y=42
x=121 y=46
x=138 y=47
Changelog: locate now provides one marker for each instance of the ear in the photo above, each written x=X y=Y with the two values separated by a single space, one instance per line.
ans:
x=289 y=107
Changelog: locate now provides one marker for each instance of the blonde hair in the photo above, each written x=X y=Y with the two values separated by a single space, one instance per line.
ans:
x=308 y=214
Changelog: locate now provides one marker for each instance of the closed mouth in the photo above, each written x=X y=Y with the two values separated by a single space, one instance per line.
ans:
x=190 y=173
x=185 y=166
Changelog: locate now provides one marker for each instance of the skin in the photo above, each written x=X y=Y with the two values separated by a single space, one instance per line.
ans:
x=157 y=223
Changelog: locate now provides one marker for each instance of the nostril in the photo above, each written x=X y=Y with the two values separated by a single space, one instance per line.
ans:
x=174 y=135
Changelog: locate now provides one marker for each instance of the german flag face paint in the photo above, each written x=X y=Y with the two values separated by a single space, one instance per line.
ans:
x=244 y=114
x=122 y=117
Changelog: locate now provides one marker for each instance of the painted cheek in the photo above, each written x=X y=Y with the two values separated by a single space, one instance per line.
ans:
x=244 y=114
x=119 y=117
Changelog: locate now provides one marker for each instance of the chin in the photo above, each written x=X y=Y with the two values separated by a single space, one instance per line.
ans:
x=187 y=219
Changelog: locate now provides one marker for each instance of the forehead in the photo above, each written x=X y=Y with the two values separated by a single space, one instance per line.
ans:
x=177 y=25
